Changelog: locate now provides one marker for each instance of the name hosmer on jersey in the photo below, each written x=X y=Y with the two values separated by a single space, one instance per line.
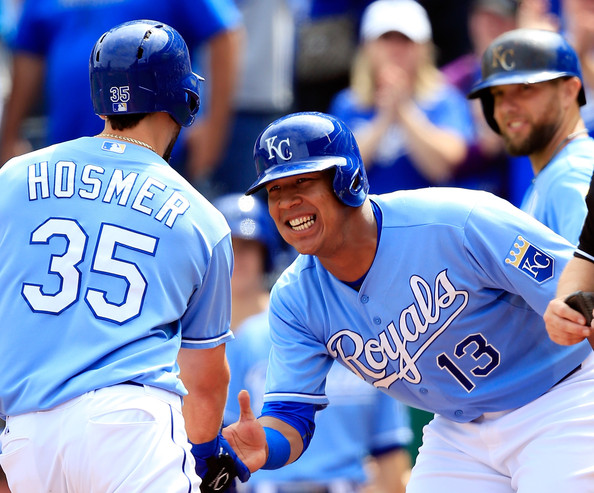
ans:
x=150 y=197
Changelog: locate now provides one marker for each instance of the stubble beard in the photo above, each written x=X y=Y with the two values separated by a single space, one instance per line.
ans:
x=537 y=140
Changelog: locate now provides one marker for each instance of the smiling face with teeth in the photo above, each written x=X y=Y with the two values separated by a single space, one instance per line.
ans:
x=531 y=116
x=310 y=217
x=304 y=209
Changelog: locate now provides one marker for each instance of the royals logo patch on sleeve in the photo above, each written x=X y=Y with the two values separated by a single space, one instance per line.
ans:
x=530 y=260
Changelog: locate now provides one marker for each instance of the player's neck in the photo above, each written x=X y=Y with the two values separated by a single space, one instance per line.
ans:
x=153 y=132
x=565 y=135
x=354 y=259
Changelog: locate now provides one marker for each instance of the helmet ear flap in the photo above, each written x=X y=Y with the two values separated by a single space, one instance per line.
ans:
x=358 y=183
x=354 y=191
x=488 y=104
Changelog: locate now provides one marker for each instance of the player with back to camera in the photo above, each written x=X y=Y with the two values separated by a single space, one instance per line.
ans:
x=434 y=296
x=531 y=92
x=110 y=320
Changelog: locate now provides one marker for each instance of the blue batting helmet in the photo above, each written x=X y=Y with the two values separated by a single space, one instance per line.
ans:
x=143 y=66
x=524 y=56
x=248 y=219
x=307 y=142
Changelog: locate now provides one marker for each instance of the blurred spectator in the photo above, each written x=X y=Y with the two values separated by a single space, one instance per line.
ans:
x=359 y=422
x=9 y=13
x=264 y=90
x=487 y=19
x=539 y=14
x=578 y=21
x=327 y=33
x=487 y=165
x=449 y=25
x=413 y=128
x=52 y=47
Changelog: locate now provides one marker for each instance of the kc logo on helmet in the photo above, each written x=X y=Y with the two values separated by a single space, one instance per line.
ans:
x=503 y=57
x=278 y=149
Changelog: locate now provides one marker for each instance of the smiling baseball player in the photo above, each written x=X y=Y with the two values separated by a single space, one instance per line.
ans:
x=434 y=296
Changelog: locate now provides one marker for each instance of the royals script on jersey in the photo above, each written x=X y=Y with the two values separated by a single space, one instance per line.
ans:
x=448 y=319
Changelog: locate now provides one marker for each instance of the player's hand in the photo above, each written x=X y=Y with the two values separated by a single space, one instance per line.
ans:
x=565 y=325
x=217 y=464
x=393 y=92
x=247 y=436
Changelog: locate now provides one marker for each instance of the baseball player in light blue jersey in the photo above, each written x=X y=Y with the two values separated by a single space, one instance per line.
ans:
x=435 y=296
x=359 y=423
x=531 y=92
x=336 y=458
x=115 y=289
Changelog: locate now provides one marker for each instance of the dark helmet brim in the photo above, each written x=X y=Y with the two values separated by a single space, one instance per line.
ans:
x=520 y=77
x=298 y=168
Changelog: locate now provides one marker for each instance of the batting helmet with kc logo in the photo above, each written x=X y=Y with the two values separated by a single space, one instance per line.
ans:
x=525 y=56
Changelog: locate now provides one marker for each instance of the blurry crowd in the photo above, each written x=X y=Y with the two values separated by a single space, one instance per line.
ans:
x=397 y=73
x=398 y=79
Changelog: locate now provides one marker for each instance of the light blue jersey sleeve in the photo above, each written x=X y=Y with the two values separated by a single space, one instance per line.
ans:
x=528 y=266
x=557 y=194
x=338 y=448
x=111 y=261
x=449 y=316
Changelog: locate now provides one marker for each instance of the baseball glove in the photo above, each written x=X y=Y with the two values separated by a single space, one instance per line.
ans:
x=218 y=465
x=218 y=474
x=582 y=302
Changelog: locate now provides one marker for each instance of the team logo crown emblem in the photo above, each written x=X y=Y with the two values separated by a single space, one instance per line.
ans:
x=531 y=260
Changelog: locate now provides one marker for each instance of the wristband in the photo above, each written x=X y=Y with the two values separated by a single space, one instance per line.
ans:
x=212 y=456
x=206 y=449
x=279 y=449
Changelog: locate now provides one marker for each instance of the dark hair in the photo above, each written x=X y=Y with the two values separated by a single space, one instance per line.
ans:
x=124 y=121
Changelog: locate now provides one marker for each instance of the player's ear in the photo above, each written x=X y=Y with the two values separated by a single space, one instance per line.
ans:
x=571 y=87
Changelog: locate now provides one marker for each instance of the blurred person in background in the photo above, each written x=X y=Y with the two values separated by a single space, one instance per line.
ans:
x=50 y=56
x=413 y=128
x=487 y=166
x=264 y=92
x=578 y=16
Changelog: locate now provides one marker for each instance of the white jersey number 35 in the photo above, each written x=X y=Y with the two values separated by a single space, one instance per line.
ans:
x=104 y=262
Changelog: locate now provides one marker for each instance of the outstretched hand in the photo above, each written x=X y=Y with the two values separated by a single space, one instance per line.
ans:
x=247 y=436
